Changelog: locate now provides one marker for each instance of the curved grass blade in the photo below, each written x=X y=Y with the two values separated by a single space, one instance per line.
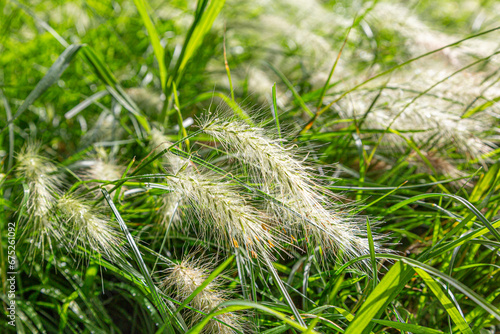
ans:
x=53 y=74
x=140 y=262
x=372 y=253
x=385 y=292
x=392 y=283
x=481 y=107
x=292 y=89
x=155 y=40
x=453 y=312
x=285 y=294
x=415 y=329
x=238 y=305
x=467 y=204
x=201 y=28
x=87 y=102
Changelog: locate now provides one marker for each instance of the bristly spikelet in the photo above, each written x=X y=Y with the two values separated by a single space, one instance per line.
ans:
x=310 y=212
x=421 y=38
x=433 y=121
x=40 y=174
x=184 y=278
x=87 y=228
x=102 y=168
x=158 y=140
x=223 y=212
x=169 y=203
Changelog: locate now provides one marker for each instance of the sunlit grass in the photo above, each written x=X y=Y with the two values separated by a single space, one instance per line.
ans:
x=238 y=166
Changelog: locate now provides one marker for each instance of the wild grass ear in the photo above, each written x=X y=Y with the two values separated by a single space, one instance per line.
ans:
x=88 y=228
x=191 y=281
x=223 y=212
x=278 y=169
x=44 y=183
x=101 y=168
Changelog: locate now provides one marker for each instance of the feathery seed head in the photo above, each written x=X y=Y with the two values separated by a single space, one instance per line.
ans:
x=102 y=168
x=106 y=171
x=88 y=228
x=184 y=278
x=437 y=115
x=44 y=184
x=222 y=210
x=169 y=207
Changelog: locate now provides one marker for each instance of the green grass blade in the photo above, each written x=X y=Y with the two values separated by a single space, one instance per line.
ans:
x=228 y=70
x=238 y=305
x=380 y=198
x=372 y=253
x=385 y=292
x=180 y=121
x=140 y=262
x=415 y=329
x=481 y=107
x=469 y=206
x=84 y=104
x=393 y=282
x=486 y=184
x=287 y=82
x=53 y=74
x=445 y=301
x=201 y=28
x=283 y=291
x=155 y=40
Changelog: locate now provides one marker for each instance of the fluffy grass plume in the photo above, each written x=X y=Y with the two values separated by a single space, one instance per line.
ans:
x=182 y=279
x=88 y=228
x=101 y=168
x=44 y=183
x=223 y=210
x=275 y=164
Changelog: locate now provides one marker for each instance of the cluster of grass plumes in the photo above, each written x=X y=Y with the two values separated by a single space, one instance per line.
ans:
x=307 y=209
x=432 y=111
x=55 y=219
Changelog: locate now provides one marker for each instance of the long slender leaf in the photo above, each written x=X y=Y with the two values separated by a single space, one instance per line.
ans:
x=51 y=77
x=155 y=40
x=445 y=301
x=140 y=262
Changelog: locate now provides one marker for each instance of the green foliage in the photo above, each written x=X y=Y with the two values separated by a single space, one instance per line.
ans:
x=393 y=106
